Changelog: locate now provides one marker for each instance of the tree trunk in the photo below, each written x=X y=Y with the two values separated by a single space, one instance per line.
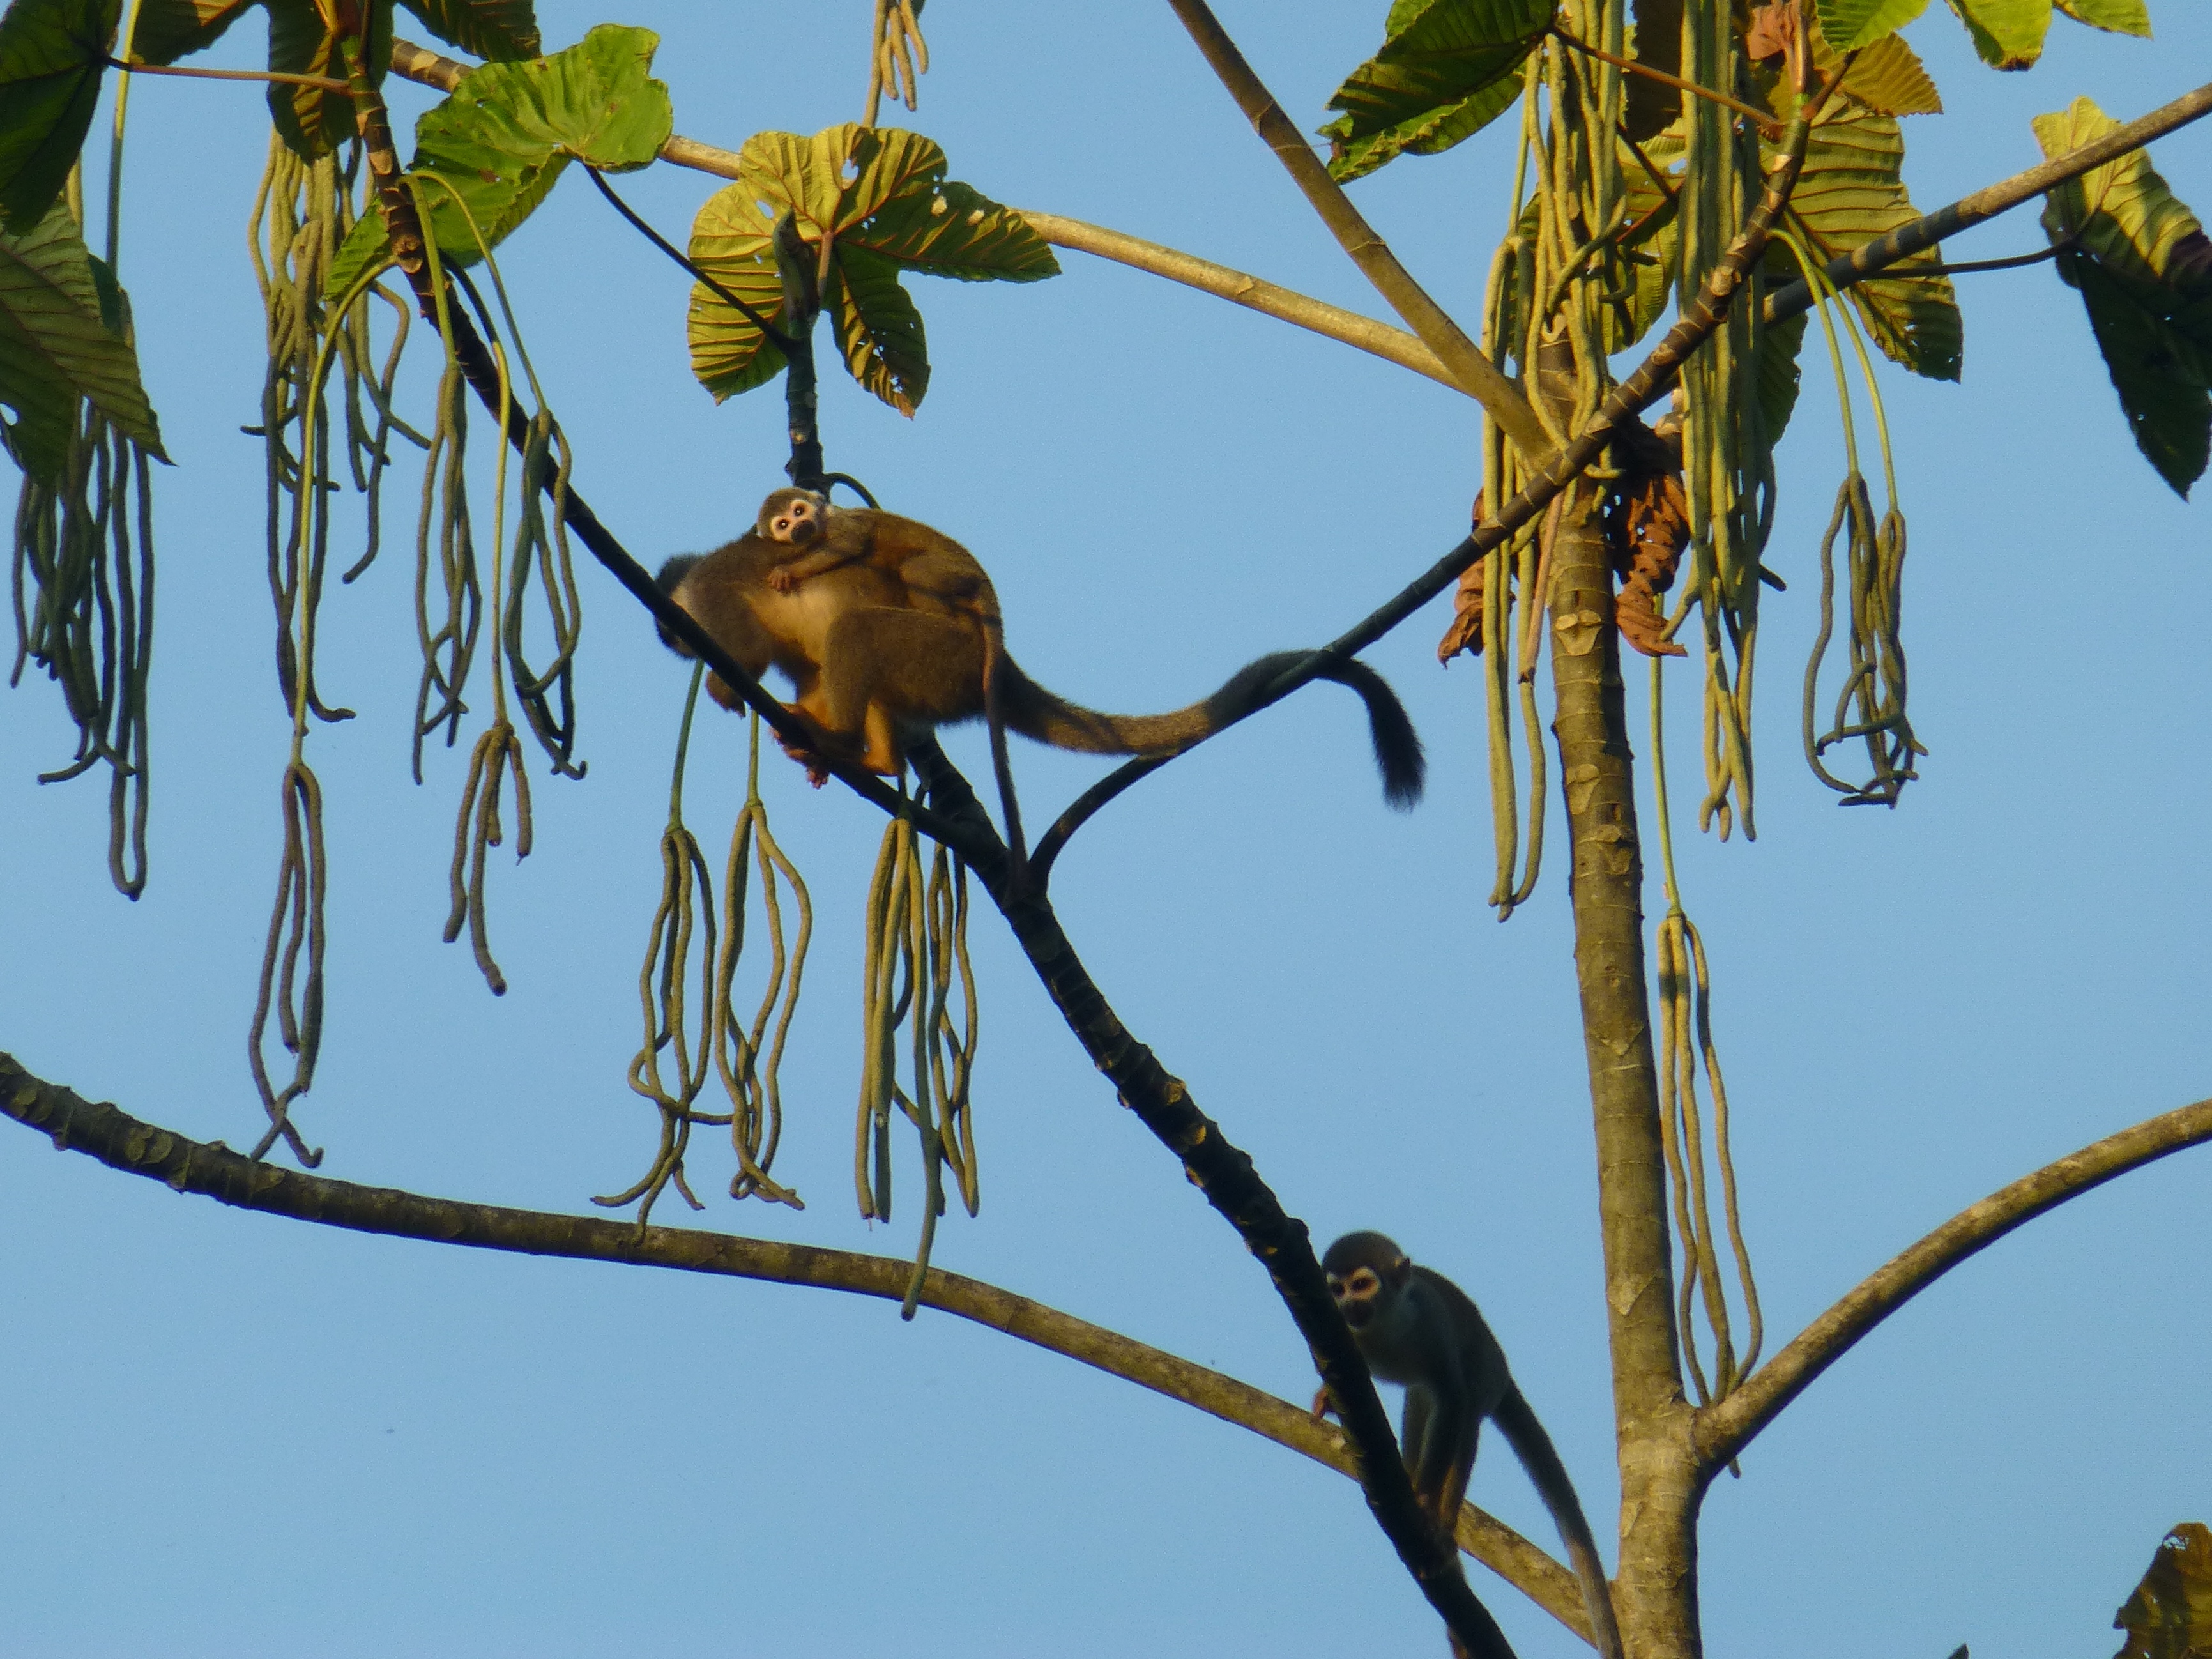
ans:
x=1656 y=1591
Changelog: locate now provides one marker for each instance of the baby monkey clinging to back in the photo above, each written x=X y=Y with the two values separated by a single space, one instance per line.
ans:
x=888 y=629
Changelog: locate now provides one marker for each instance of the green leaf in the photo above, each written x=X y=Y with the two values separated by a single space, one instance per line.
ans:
x=499 y=30
x=499 y=141
x=1847 y=25
x=2169 y=1616
x=878 y=328
x=1778 y=375
x=2122 y=213
x=1446 y=71
x=54 y=347
x=1651 y=104
x=39 y=444
x=2160 y=380
x=52 y=52
x=2140 y=260
x=1888 y=78
x=1850 y=193
x=889 y=208
x=2119 y=16
x=312 y=121
x=2007 y=34
x=169 y=30
x=729 y=242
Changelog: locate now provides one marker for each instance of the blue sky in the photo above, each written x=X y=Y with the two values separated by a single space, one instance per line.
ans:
x=235 y=1435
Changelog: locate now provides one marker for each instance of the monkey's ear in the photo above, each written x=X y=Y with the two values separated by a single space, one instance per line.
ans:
x=1399 y=1271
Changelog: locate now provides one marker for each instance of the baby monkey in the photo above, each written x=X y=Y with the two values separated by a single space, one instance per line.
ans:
x=888 y=629
x=1415 y=1327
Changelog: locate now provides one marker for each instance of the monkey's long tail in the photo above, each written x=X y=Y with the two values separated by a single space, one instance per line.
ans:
x=1549 y=1476
x=1034 y=712
x=995 y=664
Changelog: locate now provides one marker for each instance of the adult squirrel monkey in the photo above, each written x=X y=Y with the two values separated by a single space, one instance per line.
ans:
x=1415 y=1327
x=887 y=630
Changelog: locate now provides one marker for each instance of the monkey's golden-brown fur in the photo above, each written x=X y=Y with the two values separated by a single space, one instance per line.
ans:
x=888 y=629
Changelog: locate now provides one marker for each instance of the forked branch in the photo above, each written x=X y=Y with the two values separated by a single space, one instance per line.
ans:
x=212 y=1169
x=1723 y=1430
x=1482 y=379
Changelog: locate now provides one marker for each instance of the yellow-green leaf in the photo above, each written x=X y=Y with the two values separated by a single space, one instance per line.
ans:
x=52 y=53
x=1849 y=24
x=1652 y=105
x=2007 y=34
x=2141 y=262
x=2119 y=16
x=882 y=198
x=2122 y=212
x=54 y=345
x=729 y=242
x=2170 y=1615
x=1850 y=193
x=1889 y=79
x=1446 y=71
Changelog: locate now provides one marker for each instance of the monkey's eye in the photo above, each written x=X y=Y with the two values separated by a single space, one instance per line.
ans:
x=1364 y=1283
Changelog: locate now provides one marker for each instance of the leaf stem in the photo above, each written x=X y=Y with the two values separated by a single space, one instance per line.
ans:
x=279 y=76
x=1764 y=118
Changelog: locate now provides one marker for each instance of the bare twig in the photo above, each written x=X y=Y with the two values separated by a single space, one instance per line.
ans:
x=1763 y=118
x=1724 y=1429
x=279 y=76
x=1482 y=379
x=1633 y=395
x=135 y=1147
x=1991 y=200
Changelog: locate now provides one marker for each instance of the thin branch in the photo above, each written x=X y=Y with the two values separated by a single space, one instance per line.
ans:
x=281 y=78
x=1991 y=200
x=1499 y=396
x=1631 y=397
x=775 y=335
x=2015 y=263
x=1723 y=1430
x=412 y=63
x=980 y=846
x=1764 y=118
x=1365 y=333
x=212 y=1170
x=1279 y=1241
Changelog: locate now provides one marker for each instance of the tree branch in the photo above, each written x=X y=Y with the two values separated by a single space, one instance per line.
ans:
x=1277 y=1239
x=1631 y=397
x=1482 y=379
x=212 y=1170
x=1724 y=1429
x=984 y=853
x=1991 y=200
x=1396 y=345
x=1319 y=317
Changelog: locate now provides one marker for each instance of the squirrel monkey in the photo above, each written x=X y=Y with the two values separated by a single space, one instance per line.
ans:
x=1415 y=1327
x=887 y=630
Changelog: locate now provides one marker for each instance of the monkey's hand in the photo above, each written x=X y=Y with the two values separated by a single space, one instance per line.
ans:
x=781 y=579
x=1322 y=1405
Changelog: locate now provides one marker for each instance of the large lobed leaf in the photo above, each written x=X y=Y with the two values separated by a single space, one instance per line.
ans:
x=1850 y=193
x=2119 y=16
x=52 y=54
x=498 y=143
x=2143 y=266
x=1446 y=71
x=57 y=344
x=313 y=121
x=880 y=197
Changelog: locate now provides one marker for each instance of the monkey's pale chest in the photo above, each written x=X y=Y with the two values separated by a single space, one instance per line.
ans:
x=801 y=616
